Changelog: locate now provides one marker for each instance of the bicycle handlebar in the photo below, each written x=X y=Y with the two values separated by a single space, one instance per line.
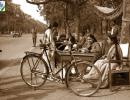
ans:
x=46 y=45
x=43 y=45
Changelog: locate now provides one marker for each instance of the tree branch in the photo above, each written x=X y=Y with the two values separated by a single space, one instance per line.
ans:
x=46 y=1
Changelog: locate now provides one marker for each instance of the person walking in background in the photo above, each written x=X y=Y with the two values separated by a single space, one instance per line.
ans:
x=34 y=37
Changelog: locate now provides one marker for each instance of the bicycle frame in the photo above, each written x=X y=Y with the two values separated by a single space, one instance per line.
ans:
x=49 y=63
x=45 y=51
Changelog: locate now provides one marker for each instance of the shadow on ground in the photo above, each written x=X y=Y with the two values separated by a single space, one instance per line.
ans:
x=13 y=88
x=9 y=63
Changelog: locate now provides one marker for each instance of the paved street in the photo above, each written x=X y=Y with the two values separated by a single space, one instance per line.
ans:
x=12 y=86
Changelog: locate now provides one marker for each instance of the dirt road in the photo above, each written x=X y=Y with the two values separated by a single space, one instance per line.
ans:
x=12 y=86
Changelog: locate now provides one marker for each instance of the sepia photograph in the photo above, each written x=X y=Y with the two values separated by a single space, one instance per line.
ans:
x=64 y=49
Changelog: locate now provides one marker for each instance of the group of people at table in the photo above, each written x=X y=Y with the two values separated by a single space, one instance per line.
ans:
x=88 y=44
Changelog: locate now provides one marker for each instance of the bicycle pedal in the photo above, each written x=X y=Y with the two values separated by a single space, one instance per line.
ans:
x=43 y=77
x=50 y=79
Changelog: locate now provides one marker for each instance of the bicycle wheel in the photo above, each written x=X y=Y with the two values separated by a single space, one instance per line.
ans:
x=75 y=82
x=34 y=70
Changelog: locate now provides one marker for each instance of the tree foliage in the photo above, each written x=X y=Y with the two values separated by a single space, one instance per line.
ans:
x=76 y=10
x=13 y=19
x=78 y=14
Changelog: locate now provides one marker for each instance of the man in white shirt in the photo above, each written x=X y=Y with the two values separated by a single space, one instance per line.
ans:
x=48 y=38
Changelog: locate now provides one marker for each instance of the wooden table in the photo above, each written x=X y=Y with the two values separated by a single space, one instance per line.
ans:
x=65 y=56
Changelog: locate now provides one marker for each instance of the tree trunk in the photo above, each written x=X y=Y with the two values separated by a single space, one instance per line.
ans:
x=104 y=27
x=77 y=21
x=125 y=32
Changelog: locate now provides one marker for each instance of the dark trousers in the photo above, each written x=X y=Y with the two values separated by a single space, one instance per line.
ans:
x=34 y=41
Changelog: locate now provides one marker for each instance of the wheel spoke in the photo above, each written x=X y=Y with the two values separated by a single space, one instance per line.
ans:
x=29 y=63
x=76 y=82
x=34 y=70
x=31 y=79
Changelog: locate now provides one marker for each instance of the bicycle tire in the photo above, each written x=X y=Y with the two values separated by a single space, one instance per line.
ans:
x=75 y=82
x=34 y=70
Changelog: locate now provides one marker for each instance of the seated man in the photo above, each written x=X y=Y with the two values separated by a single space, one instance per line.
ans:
x=91 y=46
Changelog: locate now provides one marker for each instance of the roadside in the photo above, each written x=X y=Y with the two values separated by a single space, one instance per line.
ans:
x=13 y=49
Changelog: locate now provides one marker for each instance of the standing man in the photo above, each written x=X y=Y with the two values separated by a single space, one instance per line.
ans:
x=50 y=35
x=49 y=38
x=34 y=37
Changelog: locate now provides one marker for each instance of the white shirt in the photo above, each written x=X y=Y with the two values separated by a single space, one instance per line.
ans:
x=47 y=38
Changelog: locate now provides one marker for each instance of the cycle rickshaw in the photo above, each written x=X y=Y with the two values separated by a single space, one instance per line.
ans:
x=35 y=71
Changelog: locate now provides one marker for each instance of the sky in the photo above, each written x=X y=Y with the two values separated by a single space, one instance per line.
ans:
x=29 y=9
